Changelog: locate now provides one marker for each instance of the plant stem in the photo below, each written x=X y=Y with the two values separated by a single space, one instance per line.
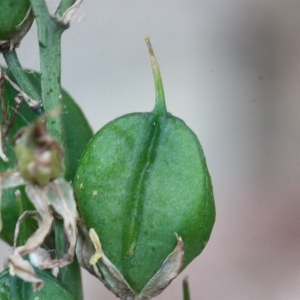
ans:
x=186 y=292
x=49 y=36
x=22 y=79
x=21 y=208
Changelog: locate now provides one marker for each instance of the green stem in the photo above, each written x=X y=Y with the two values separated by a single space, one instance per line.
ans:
x=186 y=292
x=22 y=79
x=49 y=36
x=21 y=208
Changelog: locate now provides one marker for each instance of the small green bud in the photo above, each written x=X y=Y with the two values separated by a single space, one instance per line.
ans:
x=16 y=18
x=39 y=156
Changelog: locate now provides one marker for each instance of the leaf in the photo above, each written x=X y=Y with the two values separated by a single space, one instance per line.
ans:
x=11 y=287
x=76 y=139
x=10 y=215
x=78 y=132
x=142 y=178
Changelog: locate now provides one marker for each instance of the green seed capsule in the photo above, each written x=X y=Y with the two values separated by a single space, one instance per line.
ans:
x=142 y=178
x=15 y=20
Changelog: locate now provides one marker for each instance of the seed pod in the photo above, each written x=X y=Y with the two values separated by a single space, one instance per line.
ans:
x=142 y=178
x=16 y=19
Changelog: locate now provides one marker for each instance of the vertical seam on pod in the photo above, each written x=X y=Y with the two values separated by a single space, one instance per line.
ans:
x=138 y=184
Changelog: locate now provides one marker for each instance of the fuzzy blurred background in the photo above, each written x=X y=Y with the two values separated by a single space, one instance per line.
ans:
x=231 y=70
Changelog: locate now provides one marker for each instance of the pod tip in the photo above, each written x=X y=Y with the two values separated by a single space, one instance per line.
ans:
x=160 y=105
x=148 y=42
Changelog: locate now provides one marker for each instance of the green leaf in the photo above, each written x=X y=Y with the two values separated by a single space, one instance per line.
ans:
x=10 y=214
x=12 y=287
x=78 y=132
x=77 y=136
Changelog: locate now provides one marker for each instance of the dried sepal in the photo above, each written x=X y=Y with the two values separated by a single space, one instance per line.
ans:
x=87 y=248
x=38 y=198
x=97 y=245
x=168 y=271
x=59 y=195
x=39 y=164
x=66 y=18
x=10 y=179
x=39 y=257
x=113 y=279
x=104 y=269
x=23 y=269
x=24 y=215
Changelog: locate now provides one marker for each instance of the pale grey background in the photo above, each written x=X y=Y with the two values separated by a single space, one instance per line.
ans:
x=231 y=70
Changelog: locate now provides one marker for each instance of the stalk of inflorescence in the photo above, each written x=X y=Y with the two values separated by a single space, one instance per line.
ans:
x=50 y=29
x=49 y=38
x=185 y=287
x=22 y=79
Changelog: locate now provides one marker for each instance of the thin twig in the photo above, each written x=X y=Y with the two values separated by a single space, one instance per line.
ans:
x=185 y=286
x=31 y=103
x=3 y=126
x=18 y=102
